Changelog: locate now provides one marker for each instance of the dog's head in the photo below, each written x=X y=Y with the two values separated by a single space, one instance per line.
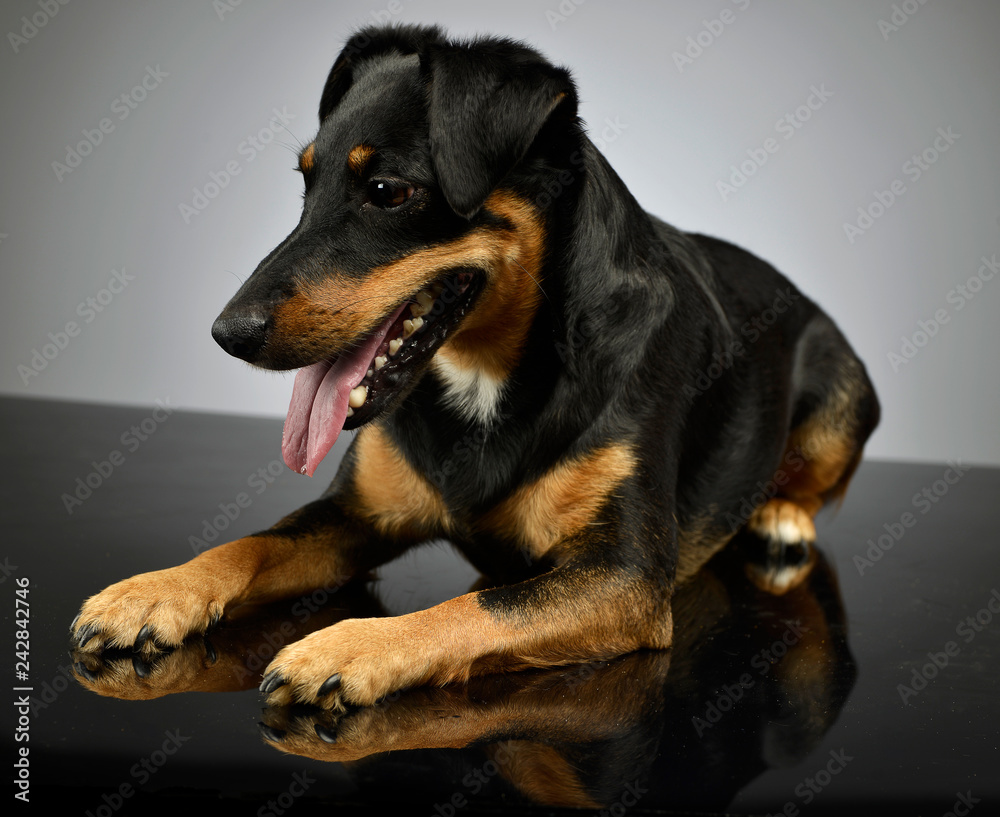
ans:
x=420 y=242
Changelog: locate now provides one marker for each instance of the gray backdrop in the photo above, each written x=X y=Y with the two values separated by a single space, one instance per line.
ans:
x=148 y=154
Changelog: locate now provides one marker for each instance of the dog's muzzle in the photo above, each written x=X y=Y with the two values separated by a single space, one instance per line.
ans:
x=241 y=336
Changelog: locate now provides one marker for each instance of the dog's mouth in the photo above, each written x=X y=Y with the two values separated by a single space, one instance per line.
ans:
x=351 y=389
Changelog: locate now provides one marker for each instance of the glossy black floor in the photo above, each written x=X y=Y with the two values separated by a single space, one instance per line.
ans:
x=875 y=682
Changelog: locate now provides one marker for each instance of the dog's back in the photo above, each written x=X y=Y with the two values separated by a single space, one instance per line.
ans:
x=587 y=402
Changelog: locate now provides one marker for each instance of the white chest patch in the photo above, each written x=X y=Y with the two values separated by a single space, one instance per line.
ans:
x=471 y=392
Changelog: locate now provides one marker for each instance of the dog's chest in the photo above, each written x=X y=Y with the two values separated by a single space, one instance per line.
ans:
x=559 y=505
x=471 y=392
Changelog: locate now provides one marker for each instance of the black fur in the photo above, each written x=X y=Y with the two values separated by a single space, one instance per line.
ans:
x=635 y=335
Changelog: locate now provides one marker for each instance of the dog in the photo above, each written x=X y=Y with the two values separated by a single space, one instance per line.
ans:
x=586 y=401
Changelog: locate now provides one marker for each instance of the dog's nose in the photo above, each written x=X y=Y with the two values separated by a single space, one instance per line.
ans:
x=242 y=337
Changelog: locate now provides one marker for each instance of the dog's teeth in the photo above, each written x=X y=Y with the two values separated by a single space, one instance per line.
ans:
x=380 y=361
x=350 y=412
x=411 y=326
x=371 y=372
x=394 y=346
x=424 y=304
x=358 y=396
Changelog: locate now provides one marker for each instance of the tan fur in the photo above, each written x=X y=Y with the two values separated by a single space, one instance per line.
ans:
x=188 y=598
x=331 y=314
x=783 y=520
x=307 y=159
x=378 y=655
x=396 y=498
x=543 y=774
x=562 y=501
x=359 y=157
x=492 y=337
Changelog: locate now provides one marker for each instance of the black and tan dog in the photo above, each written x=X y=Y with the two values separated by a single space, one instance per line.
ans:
x=588 y=402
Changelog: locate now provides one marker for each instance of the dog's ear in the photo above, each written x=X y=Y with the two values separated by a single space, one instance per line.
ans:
x=487 y=104
x=370 y=42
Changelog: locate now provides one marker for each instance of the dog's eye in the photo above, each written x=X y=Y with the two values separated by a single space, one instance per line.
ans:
x=387 y=194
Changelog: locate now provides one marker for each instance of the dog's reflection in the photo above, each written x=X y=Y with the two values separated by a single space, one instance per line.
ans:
x=753 y=681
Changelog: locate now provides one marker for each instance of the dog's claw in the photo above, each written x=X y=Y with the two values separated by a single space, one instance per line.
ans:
x=270 y=733
x=86 y=673
x=210 y=654
x=86 y=634
x=325 y=734
x=271 y=682
x=330 y=684
x=142 y=668
x=144 y=635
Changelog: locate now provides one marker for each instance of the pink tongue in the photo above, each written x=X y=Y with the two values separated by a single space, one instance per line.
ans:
x=319 y=405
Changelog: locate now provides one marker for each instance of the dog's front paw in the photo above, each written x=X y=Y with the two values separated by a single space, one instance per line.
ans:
x=358 y=661
x=147 y=612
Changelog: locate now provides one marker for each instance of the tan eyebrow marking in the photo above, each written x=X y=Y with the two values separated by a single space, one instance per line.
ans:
x=307 y=158
x=359 y=157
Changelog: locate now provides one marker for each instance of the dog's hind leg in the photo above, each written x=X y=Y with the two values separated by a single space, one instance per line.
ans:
x=834 y=411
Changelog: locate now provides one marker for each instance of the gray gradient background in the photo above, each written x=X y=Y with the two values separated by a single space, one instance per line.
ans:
x=679 y=132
